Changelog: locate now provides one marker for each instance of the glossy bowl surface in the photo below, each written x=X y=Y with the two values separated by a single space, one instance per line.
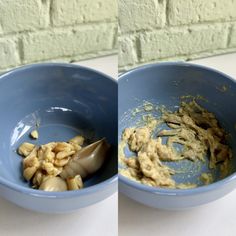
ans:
x=64 y=100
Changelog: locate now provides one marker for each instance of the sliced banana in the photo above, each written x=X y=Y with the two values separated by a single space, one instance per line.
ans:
x=53 y=184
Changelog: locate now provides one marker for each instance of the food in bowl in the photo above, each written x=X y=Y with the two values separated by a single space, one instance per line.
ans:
x=62 y=166
x=164 y=84
x=60 y=101
x=191 y=133
x=34 y=134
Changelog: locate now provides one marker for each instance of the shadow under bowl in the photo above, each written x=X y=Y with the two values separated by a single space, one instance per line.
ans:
x=165 y=84
x=63 y=100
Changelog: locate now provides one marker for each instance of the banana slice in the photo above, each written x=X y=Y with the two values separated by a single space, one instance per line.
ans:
x=53 y=184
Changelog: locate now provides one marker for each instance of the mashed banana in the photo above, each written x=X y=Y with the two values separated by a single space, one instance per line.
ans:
x=191 y=126
x=61 y=166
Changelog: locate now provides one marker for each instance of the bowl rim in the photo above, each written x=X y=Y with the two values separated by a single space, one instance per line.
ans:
x=66 y=194
x=173 y=63
x=166 y=191
x=53 y=64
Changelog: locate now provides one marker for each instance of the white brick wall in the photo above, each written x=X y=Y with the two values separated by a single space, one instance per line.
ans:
x=232 y=39
x=195 y=11
x=8 y=51
x=76 y=11
x=67 y=42
x=23 y=15
x=160 y=30
x=150 y=30
x=137 y=15
x=65 y=30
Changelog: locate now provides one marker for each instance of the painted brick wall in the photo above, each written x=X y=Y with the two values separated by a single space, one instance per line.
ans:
x=163 y=30
x=58 y=30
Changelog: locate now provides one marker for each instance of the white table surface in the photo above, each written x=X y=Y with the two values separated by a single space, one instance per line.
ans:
x=215 y=219
x=100 y=219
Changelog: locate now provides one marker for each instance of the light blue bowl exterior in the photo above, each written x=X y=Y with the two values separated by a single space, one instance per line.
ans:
x=43 y=91
x=163 y=82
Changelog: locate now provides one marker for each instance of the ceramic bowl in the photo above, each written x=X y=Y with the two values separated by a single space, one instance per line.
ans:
x=64 y=100
x=164 y=84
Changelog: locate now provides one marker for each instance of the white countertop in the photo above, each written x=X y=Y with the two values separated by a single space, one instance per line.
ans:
x=99 y=219
x=214 y=219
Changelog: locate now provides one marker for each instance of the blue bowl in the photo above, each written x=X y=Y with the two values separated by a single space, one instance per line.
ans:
x=164 y=84
x=65 y=100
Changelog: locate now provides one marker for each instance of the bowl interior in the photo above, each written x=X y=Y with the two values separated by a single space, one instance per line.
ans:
x=64 y=100
x=164 y=84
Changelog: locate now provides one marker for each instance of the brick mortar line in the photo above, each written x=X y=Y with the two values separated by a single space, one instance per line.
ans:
x=50 y=13
x=115 y=37
x=1 y=29
x=40 y=30
x=166 y=27
x=137 y=49
x=20 y=50
x=167 y=13
x=230 y=29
